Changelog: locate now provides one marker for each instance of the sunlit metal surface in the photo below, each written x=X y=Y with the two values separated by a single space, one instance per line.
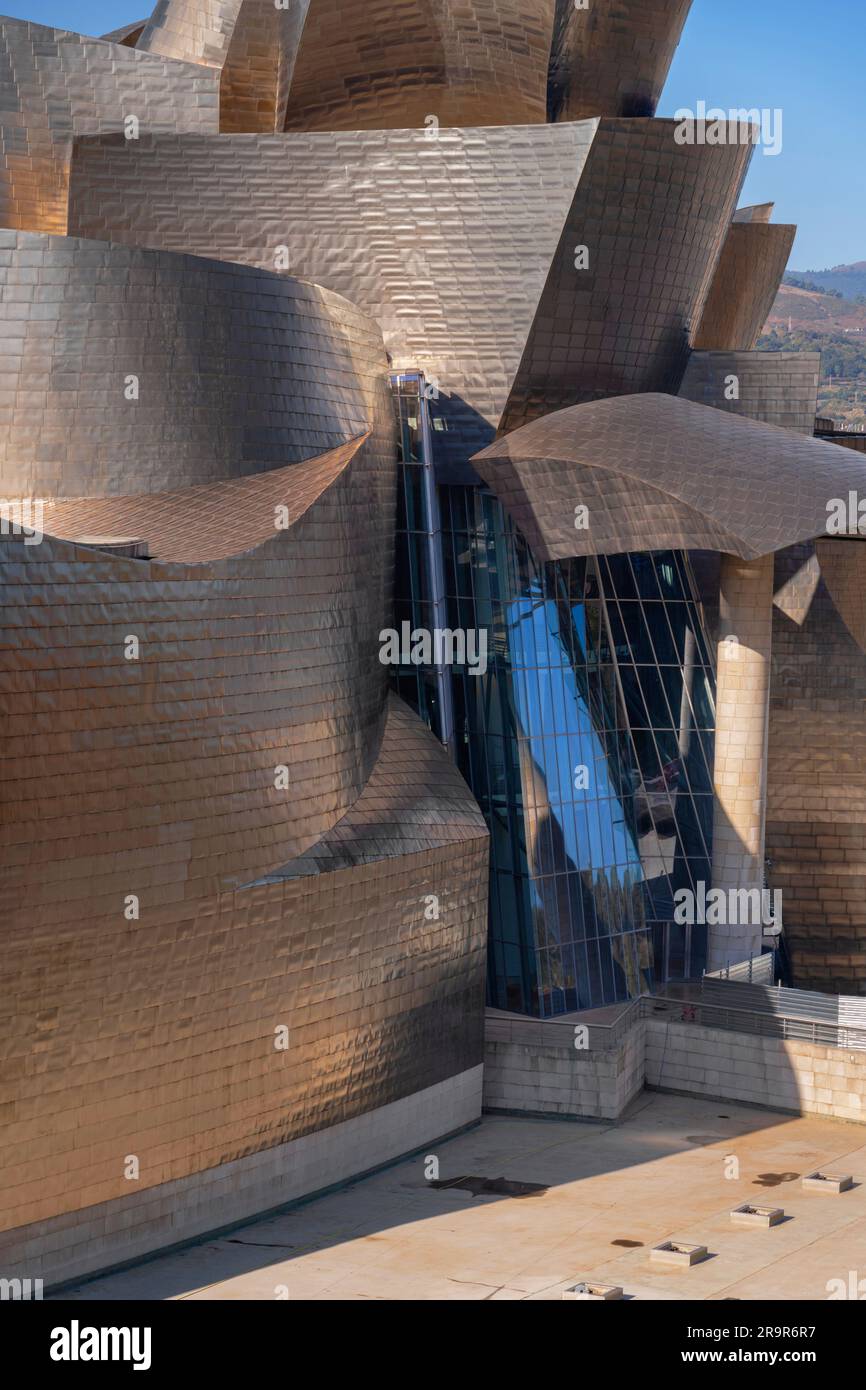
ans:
x=158 y=371
x=780 y=388
x=461 y=248
x=368 y=64
x=56 y=85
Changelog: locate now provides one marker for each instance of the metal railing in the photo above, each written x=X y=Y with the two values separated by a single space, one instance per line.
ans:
x=556 y=1032
x=732 y=1018
x=602 y=1037
x=757 y=970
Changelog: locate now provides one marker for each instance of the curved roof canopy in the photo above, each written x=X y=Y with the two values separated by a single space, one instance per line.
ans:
x=658 y=472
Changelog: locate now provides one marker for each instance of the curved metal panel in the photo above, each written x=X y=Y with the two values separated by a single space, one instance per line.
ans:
x=161 y=371
x=611 y=57
x=446 y=243
x=239 y=667
x=471 y=279
x=198 y=525
x=816 y=786
x=630 y=274
x=55 y=85
x=658 y=466
x=260 y=64
x=369 y=64
x=744 y=286
x=162 y=1039
x=196 y=31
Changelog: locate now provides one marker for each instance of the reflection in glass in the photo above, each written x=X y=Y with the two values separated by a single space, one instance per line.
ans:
x=588 y=744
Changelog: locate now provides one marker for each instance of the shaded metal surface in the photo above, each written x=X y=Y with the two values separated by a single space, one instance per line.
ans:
x=816 y=797
x=55 y=85
x=234 y=370
x=197 y=525
x=744 y=286
x=622 y=323
x=367 y=64
x=779 y=388
x=127 y=34
x=657 y=466
x=611 y=57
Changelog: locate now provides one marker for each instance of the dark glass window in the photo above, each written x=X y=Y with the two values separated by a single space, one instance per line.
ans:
x=588 y=744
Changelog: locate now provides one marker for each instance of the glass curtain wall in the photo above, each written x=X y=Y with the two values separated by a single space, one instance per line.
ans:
x=589 y=746
x=588 y=741
x=418 y=587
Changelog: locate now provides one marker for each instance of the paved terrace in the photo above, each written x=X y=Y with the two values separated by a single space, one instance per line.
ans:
x=613 y=1191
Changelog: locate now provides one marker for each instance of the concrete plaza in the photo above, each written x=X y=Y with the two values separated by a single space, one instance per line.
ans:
x=613 y=1191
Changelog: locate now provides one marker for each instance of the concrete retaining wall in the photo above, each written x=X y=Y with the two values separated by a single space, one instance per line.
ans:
x=540 y=1078
x=551 y=1079
x=798 y=1076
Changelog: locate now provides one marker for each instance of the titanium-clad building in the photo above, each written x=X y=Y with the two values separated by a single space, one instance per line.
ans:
x=367 y=367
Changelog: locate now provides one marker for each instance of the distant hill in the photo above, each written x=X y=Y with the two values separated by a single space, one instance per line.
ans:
x=813 y=309
x=805 y=320
x=847 y=280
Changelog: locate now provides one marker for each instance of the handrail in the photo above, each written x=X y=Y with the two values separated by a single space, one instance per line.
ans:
x=601 y=1037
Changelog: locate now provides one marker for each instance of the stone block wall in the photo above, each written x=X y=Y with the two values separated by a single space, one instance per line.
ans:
x=557 y=1079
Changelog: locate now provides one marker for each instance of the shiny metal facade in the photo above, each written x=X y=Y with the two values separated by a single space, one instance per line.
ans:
x=56 y=85
x=157 y=371
x=237 y=777
x=167 y=760
x=375 y=64
x=253 y=44
x=744 y=286
x=816 y=788
x=221 y=229
x=162 y=1035
x=446 y=243
x=197 y=31
x=655 y=466
x=217 y=825
x=260 y=64
x=631 y=269
x=780 y=388
x=461 y=248
x=611 y=57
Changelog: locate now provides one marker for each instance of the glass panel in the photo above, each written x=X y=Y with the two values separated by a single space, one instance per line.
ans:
x=585 y=864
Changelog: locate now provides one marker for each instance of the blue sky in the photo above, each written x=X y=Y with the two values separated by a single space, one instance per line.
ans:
x=805 y=58
x=809 y=60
